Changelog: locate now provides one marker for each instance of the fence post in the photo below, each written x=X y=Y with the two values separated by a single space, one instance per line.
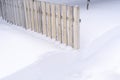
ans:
x=76 y=28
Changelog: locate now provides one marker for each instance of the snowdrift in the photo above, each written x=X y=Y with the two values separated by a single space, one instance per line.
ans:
x=25 y=55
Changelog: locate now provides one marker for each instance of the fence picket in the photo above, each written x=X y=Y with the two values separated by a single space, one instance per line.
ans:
x=13 y=12
x=48 y=20
x=19 y=12
x=44 y=27
x=32 y=14
x=53 y=21
x=58 y=23
x=64 y=24
x=26 y=15
x=35 y=16
x=10 y=9
x=29 y=15
x=0 y=9
x=76 y=29
x=39 y=14
x=70 y=25
x=23 y=14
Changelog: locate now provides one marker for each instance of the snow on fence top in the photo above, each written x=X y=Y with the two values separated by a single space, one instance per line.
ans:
x=57 y=21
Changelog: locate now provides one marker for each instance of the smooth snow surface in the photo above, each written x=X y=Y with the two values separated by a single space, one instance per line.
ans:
x=25 y=55
x=20 y=48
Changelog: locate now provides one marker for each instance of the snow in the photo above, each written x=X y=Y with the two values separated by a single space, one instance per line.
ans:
x=26 y=55
x=19 y=48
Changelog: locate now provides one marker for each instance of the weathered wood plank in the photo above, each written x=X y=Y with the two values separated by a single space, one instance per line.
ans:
x=58 y=23
x=0 y=9
x=76 y=28
x=29 y=14
x=3 y=9
x=17 y=12
x=26 y=13
x=11 y=7
x=19 y=15
x=10 y=11
x=48 y=20
x=44 y=27
x=64 y=24
x=32 y=14
x=6 y=9
x=35 y=16
x=53 y=19
x=6 y=15
x=22 y=13
x=39 y=14
x=70 y=25
x=13 y=11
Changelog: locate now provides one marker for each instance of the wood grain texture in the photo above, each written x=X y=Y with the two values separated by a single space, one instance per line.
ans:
x=35 y=16
x=13 y=11
x=53 y=21
x=26 y=15
x=44 y=27
x=29 y=14
x=19 y=11
x=58 y=23
x=70 y=25
x=39 y=14
x=14 y=5
x=23 y=14
x=76 y=28
x=0 y=9
x=64 y=24
x=32 y=14
x=48 y=20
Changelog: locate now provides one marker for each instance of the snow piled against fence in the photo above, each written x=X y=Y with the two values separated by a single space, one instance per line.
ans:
x=25 y=55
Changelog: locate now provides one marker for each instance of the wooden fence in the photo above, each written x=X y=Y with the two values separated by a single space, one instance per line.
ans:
x=57 y=21
x=0 y=9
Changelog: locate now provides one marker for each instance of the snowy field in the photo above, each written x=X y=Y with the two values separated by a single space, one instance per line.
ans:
x=26 y=55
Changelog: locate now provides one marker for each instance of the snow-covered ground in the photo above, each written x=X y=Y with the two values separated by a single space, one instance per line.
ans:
x=25 y=55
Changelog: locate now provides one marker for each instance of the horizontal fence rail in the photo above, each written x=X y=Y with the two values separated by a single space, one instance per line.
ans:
x=57 y=21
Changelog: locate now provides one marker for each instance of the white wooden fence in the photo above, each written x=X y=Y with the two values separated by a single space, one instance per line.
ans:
x=57 y=21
